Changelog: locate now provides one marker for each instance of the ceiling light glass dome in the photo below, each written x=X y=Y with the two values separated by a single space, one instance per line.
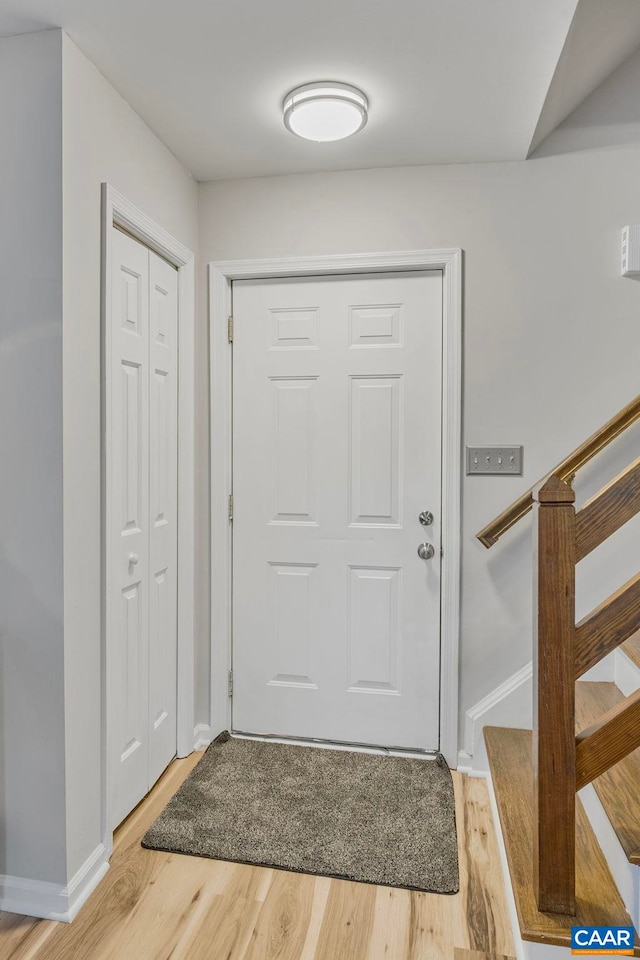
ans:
x=325 y=111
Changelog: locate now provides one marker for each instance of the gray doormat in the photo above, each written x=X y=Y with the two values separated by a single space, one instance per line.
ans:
x=357 y=816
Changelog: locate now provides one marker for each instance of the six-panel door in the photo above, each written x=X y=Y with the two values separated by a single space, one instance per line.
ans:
x=142 y=497
x=337 y=450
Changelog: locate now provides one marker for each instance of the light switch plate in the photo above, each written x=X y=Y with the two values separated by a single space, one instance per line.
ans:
x=495 y=461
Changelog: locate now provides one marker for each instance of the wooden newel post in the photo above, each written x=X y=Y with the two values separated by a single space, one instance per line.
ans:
x=554 y=763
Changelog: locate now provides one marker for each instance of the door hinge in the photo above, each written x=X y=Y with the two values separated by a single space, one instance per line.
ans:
x=230 y=329
x=230 y=507
x=230 y=683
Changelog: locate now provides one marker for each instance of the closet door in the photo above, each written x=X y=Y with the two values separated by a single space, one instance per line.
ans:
x=141 y=588
x=163 y=519
x=128 y=492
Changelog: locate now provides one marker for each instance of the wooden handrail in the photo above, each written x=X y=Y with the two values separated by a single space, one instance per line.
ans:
x=564 y=471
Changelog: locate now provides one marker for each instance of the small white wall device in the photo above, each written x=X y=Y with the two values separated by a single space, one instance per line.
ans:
x=630 y=251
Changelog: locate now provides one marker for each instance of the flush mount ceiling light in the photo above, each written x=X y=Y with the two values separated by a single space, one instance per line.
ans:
x=325 y=111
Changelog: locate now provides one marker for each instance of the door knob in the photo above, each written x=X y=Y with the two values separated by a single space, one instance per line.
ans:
x=133 y=558
x=426 y=551
x=425 y=518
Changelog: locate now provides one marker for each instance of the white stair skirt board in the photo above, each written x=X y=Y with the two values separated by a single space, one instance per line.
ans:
x=202 y=736
x=511 y=705
x=525 y=949
x=53 y=901
x=625 y=874
x=626 y=673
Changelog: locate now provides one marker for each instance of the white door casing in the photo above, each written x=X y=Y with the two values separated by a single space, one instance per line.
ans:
x=337 y=435
x=118 y=210
x=221 y=276
x=142 y=491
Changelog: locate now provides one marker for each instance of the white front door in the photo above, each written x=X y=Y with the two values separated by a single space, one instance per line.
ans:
x=336 y=452
x=141 y=477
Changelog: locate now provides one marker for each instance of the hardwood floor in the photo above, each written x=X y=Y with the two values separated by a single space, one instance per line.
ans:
x=159 y=906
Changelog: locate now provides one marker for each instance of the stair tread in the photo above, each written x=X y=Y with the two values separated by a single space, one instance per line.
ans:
x=632 y=648
x=618 y=788
x=598 y=902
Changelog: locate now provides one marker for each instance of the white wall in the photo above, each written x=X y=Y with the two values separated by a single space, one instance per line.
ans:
x=610 y=116
x=104 y=140
x=551 y=331
x=32 y=842
x=65 y=130
x=551 y=349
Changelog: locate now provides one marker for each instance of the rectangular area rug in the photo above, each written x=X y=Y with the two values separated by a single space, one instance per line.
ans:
x=357 y=816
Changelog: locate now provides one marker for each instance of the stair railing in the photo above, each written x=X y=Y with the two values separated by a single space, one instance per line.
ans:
x=564 y=650
x=565 y=470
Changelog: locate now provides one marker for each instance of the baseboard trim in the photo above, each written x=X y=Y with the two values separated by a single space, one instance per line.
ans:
x=509 y=705
x=202 y=736
x=53 y=901
x=465 y=765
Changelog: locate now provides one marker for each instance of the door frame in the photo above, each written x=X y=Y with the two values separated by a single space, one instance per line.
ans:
x=118 y=211
x=221 y=275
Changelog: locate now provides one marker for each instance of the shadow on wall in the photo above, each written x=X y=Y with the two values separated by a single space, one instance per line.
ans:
x=509 y=563
x=32 y=745
x=26 y=684
x=609 y=117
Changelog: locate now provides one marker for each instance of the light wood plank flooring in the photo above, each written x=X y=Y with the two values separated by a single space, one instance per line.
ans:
x=159 y=906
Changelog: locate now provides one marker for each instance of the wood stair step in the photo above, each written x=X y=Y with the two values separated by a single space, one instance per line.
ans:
x=632 y=648
x=598 y=902
x=618 y=788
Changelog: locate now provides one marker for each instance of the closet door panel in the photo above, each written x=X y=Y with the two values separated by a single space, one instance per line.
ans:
x=163 y=513
x=128 y=492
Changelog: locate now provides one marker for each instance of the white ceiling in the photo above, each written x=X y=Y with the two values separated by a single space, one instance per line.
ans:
x=603 y=34
x=448 y=80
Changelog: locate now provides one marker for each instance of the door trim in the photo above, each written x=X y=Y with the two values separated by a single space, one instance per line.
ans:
x=118 y=211
x=221 y=275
